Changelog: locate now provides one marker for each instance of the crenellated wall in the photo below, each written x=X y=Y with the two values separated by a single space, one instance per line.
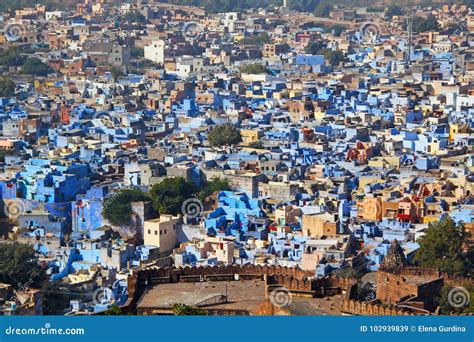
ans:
x=292 y=278
x=297 y=281
x=354 y=307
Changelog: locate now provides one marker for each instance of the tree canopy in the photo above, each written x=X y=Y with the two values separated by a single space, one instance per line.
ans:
x=334 y=57
x=56 y=298
x=216 y=184
x=225 y=134
x=135 y=17
x=258 y=39
x=19 y=265
x=442 y=247
x=337 y=29
x=114 y=310
x=169 y=195
x=323 y=9
x=116 y=73
x=186 y=310
x=7 y=87
x=446 y=294
x=34 y=66
x=425 y=24
x=393 y=11
x=118 y=208
x=255 y=68
x=12 y=57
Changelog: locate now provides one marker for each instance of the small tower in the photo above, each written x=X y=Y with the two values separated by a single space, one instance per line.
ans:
x=395 y=257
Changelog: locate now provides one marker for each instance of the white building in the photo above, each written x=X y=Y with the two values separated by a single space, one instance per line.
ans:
x=155 y=52
x=187 y=65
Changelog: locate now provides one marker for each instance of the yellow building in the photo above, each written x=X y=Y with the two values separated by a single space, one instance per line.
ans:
x=250 y=136
x=319 y=224
x=455 y=129
x=384 y=162
x=364 y=180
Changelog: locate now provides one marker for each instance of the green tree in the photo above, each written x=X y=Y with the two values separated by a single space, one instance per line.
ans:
x=393 y=11
x=135 y=17
x=225 y=134
x=334 y=57
x=260 y=39
x=323 y=9
x=56 y=297
x=3 y=154
x=7 y=87
x=304 y=5
x=169 y=195
x=19 y=265
x=137 y=52
x=257 y=145
x=469 y=3
x=425 y=24
x=12 y=57
x=442 y=247
x=116 y=73
x=255 y=68
x=113 y=311
x=316 y=47
x=186 y=310
x=34 y=66
x=118 y=208
x=337 y=29
x=462 y=298
x=216 y=184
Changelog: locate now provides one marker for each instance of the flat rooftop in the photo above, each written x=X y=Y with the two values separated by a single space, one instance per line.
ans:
x=241 y=295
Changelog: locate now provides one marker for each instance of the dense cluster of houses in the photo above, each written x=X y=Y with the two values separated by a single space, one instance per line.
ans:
x=336 y=158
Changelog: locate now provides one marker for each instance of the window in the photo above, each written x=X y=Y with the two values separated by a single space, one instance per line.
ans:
x=149 y=231
x=156 y=232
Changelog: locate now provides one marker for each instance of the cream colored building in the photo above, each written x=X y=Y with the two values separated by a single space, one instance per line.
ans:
x=155 y=52
x=162 y=232
x=219 y=247
x=317 y=225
